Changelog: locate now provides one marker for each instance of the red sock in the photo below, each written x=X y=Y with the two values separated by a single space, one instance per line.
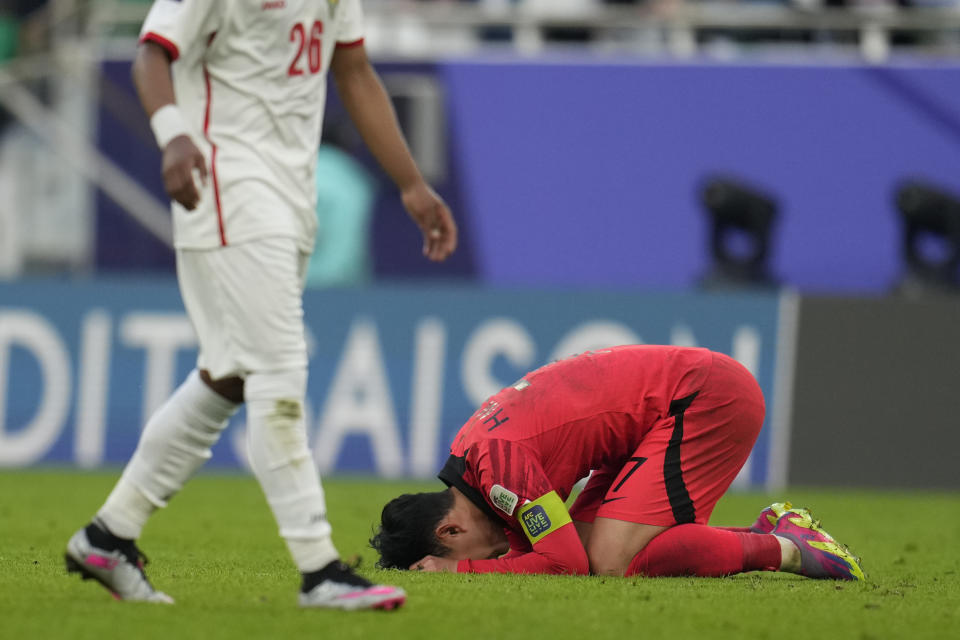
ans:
x=699 y=550
x=737 y=529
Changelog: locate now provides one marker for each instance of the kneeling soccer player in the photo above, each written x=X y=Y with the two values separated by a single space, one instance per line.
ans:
x=665 y=429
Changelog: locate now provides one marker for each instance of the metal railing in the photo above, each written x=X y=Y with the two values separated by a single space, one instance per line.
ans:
x=680 y=27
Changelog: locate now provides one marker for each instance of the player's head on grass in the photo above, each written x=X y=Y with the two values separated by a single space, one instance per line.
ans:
x=407 y=528
x=440 y=523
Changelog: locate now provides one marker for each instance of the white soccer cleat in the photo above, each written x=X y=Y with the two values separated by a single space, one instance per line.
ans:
x=343 y=589
x=120 y=570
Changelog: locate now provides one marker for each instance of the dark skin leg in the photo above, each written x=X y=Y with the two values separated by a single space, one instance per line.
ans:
x=230 y=388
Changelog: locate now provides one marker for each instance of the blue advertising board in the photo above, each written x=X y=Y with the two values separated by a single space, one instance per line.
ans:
x=394 y=371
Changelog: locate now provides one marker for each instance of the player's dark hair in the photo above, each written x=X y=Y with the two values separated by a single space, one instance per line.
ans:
x=407 y=529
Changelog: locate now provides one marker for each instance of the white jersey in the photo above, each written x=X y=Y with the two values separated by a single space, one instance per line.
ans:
x=250 y=78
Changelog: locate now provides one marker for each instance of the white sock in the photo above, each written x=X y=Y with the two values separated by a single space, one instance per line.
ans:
x=284 y=466
x=174 y=444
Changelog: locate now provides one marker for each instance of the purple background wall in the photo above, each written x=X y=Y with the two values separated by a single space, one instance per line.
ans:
x=587 y=173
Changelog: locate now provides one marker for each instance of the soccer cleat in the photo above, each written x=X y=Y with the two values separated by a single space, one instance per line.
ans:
x=120 y=570
x=820 y=555
x=343 y=589
x=767 y=519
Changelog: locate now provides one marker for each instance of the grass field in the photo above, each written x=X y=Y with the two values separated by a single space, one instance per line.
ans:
x=216 y=551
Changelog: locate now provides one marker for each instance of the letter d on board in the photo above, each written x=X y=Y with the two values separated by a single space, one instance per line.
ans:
x=36 y=335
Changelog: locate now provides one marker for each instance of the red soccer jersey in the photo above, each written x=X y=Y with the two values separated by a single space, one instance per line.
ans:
x=550 y=429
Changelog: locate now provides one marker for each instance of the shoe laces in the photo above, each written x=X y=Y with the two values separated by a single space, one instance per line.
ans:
x=341 y=572
x=134 y=556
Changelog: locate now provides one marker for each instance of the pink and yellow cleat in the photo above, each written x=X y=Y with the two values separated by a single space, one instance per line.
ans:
x=820 y=555
x=767 y=519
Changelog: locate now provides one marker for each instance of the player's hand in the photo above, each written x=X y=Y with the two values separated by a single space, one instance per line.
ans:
x=435 y=563
x=180 y=159
x=433 y=217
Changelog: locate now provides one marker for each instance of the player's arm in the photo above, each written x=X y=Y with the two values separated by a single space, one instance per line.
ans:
x=151 y=75
x=369 y=107
x=519 y=545
x=554 y=543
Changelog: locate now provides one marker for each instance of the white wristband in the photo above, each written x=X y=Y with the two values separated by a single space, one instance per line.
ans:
x=167 y=123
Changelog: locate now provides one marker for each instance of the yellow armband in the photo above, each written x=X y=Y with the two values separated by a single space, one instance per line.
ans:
x=543 y=516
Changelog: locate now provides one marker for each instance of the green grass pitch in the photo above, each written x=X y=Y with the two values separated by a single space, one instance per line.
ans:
x=216 y=551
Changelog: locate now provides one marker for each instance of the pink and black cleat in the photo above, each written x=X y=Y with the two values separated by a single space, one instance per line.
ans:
x=119 y=570
x=341 y=588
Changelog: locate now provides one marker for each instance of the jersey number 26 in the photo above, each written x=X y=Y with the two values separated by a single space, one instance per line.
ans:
x=309 y=44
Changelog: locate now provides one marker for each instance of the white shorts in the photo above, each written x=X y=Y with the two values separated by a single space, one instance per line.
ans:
x=246 y=304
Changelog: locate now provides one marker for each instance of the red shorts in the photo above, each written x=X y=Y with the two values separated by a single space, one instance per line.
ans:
x=687 y=460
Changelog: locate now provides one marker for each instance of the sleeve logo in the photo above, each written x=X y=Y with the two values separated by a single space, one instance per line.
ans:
x=536 y=521
x=503 y=499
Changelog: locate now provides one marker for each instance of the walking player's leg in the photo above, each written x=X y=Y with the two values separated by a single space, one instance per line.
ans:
x=282 y=462
x=174 y=444
x=266 y=282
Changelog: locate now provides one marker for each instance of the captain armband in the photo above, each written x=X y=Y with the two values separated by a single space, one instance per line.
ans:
x=543 y=516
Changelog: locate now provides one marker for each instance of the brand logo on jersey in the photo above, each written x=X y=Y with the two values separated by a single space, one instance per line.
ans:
x=536 y=521
x=333 y=6
x=503 y=499
x=274 y=4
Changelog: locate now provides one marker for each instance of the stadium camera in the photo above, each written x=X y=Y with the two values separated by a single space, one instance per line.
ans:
x=931 y=237
x=742 y=219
